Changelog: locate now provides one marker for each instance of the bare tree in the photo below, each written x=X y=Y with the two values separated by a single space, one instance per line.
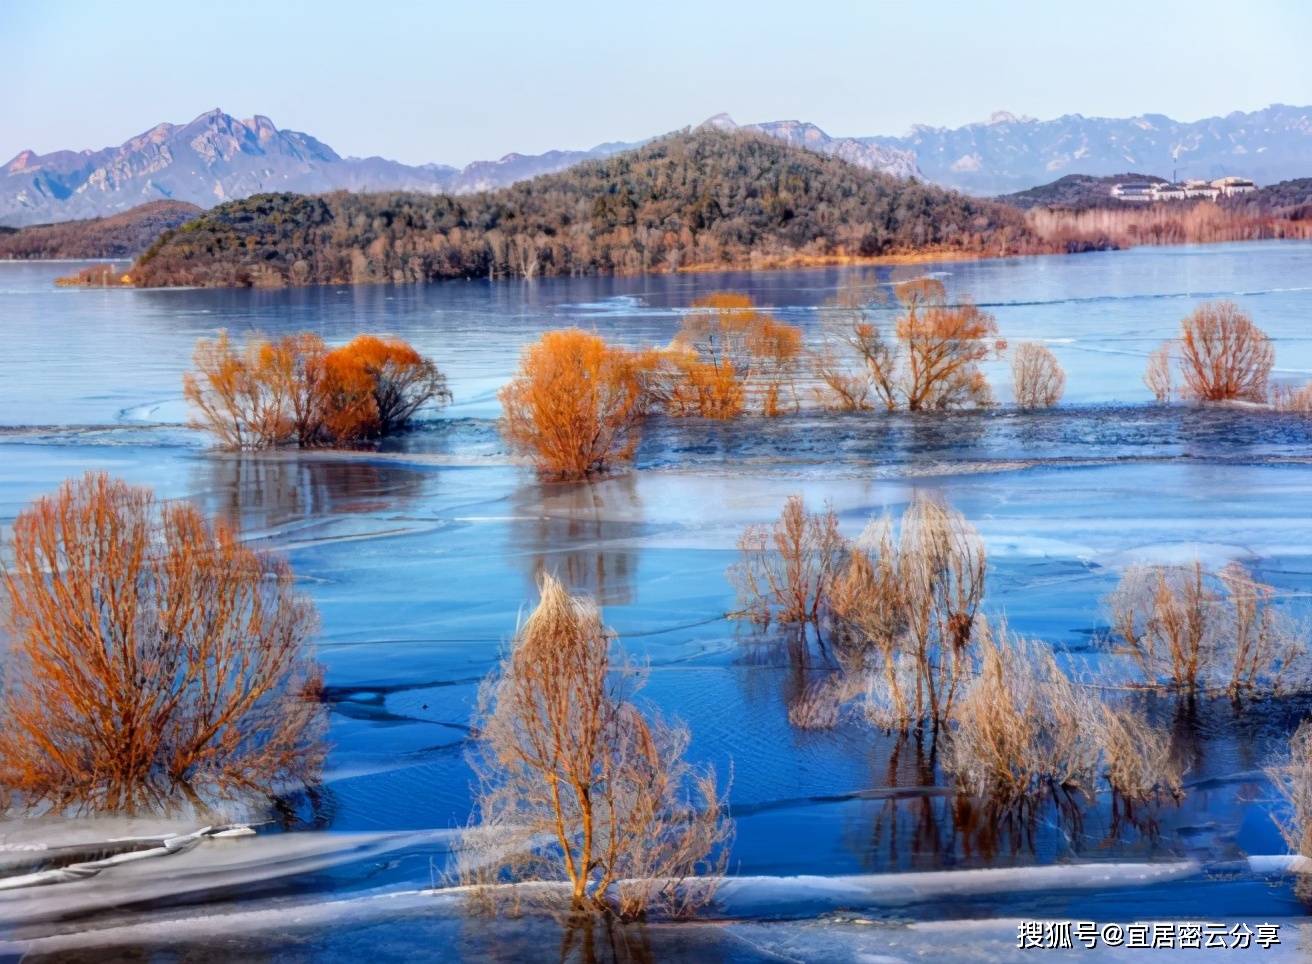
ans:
x=156 y=660
x=1157 y=376
x=930 y=363
x=577 y=784
x=1292 y=777
x=788 y=568
x=1223 y=355
x=1037 y=377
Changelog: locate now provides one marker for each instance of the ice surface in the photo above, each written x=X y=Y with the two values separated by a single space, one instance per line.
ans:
x=422 y=556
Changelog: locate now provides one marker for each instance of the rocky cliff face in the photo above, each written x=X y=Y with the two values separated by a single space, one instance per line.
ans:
x=874 y=157
x=214 y=158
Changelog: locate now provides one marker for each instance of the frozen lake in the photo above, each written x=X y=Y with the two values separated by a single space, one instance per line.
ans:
x=420 y=558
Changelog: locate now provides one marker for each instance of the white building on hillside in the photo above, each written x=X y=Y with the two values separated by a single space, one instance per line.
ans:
x=1169 y=192
x=1133 y=192
x=1231 y=186
x=1193 y=189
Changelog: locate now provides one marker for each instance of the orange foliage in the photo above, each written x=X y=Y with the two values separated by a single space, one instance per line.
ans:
x=727 y=354
x=1223 y=355
x=297 y=390
x=931 y=362
x=693 y=387
x=943 y=345
x=576 y=405
x=154 y=657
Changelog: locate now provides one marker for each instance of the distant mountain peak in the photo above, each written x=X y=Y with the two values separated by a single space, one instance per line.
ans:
x=216 y=156
x=721 y=121
x=999 y=117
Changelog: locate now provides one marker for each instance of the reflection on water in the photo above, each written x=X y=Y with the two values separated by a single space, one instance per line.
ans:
x=586 y=535
x=261 y=493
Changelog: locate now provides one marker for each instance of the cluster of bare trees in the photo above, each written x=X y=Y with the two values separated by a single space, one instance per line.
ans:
x=897 y=613
x=576 y=404
x=1025 y=729
x=1189 y=627
x=900 y=603
x=155 y=660
x=297 y=390
x=577 y=784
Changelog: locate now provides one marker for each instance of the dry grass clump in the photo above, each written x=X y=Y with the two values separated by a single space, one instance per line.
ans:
x=1037 y=377
x=1222 y=356
x=1290 y=398
x=788 y=568
x=156 y=660
x=729 y=356
x=296 y=390
x=1157 y=376
x=577 y=784
x=930 y=361
x=1188 y=627
x=1024 y=730
x=1292 y=778
x=577 y=403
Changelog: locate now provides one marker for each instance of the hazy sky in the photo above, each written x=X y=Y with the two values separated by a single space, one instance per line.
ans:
x=454 y=82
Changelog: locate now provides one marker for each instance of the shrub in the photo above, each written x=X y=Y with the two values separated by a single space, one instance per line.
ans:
x=1037 y=377
x=576 y=405
x=399 y=382
x=1292 y=778
x=577 y=784
x=1023 y=727
x=154 y=657
x=787 y=569
x=1185 y=626
x=1024 y=730
x=296 y=390
x=690 y=387
x=1157 y=376
x=1289 y=398
x=902 y=609
x=1223 y=355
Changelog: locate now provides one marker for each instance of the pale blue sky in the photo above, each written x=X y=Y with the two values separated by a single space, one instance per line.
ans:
x=454 y=82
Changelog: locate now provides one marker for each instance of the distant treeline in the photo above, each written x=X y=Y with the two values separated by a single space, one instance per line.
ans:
x=123 y=235
x=702 y=199
x=1169 y=222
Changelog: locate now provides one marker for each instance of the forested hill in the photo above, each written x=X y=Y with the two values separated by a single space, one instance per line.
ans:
x=123 y=235
x=1075 y=192
x=708 y=198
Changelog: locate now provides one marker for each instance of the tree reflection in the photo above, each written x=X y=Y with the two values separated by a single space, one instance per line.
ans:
x=581 y=534
x=256 y=492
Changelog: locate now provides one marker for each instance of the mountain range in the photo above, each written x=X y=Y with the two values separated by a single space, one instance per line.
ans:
x=217 y=157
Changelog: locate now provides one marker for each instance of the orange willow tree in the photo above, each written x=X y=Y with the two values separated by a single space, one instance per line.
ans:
x=576 y=405
x=1223 y=355
x=296 y=390
x=729 y=355
x=577 y=784
x=930 y=362
x=155 y=659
